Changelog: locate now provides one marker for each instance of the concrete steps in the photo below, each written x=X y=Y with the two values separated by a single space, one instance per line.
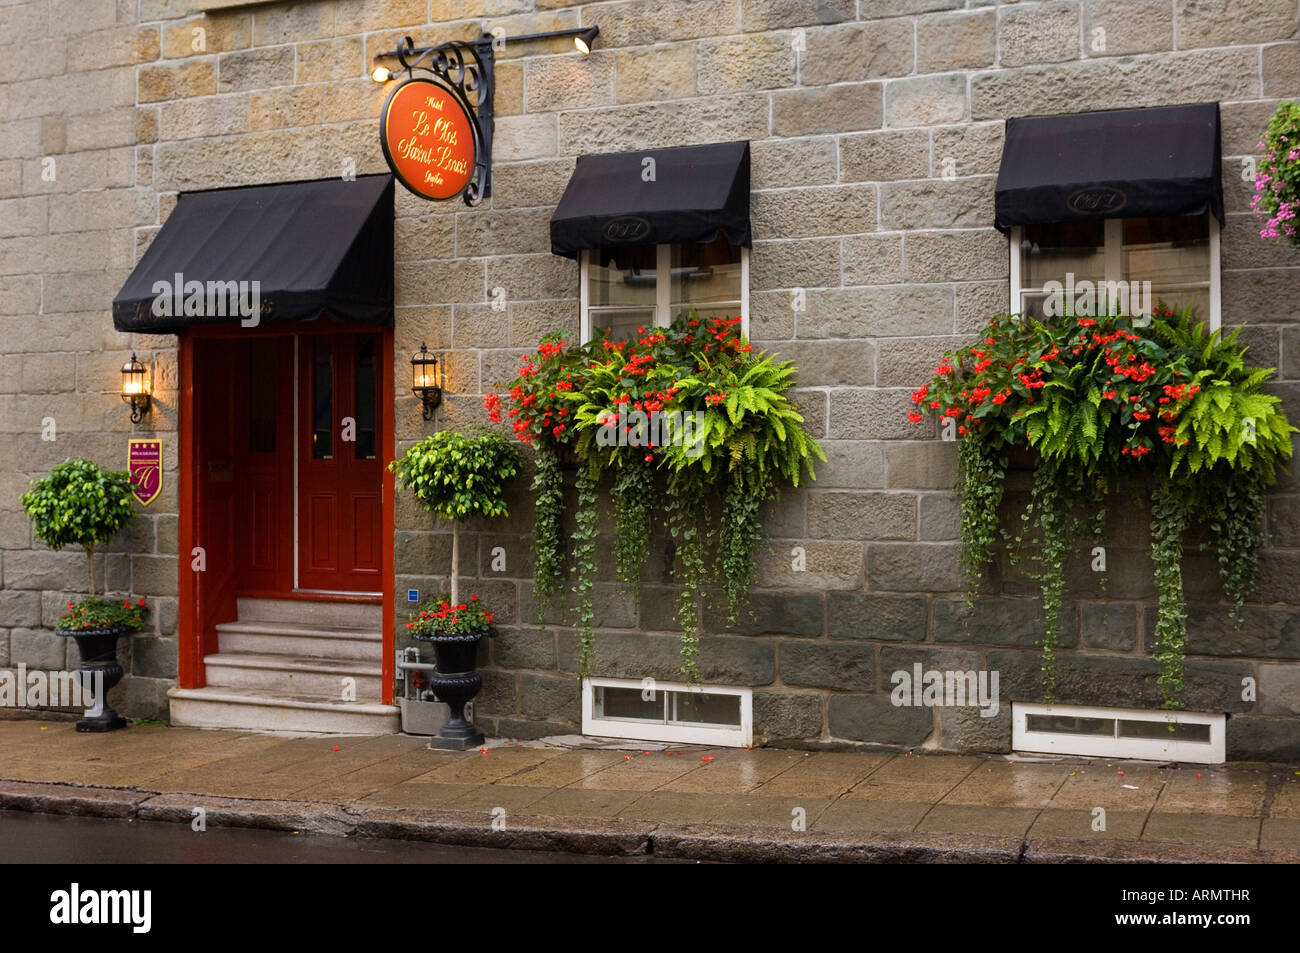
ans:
x=295 y=674
x=282 y=665
x=257 y=710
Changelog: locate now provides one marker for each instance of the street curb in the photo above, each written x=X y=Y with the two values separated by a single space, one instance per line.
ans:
x=612 y=838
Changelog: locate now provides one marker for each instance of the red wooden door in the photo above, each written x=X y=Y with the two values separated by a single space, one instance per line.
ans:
x=339 y=471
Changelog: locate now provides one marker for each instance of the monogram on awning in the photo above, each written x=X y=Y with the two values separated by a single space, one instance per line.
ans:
x=291 y=251
x=655 y=196
x=1123 y=163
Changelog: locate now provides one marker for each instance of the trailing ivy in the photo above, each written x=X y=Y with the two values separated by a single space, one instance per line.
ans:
x=684 y=526
x=635 y=500
x=548 y=534
x=1169 y=521
x=584 y=564
x=981 y=482
x=1238 y=538
x=740 y=532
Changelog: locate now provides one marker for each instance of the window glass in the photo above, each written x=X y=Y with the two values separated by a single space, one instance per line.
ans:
x=622 y=276
x=365 y=398
x=262 y=409
x=1050 y=251
x=1170 y=250
x=697 y=708
x=705 y=273
x=627 y=704
x=621 y=323
x=322 y=398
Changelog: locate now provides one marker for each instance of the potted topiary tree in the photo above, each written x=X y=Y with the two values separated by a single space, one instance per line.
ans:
x=81 y=503
x=456 y=476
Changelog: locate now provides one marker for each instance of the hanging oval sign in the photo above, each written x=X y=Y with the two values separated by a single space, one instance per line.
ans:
x=429 y=139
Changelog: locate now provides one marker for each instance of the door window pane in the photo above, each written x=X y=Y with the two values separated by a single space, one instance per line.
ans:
x=622 y=276
x=365 y=398
x=1169 y=250
x=262 y=411
x=1050 y=251
x=322 y=399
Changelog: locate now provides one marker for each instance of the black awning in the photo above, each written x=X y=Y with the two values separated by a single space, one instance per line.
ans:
x=312 y=247
x=1124 y=163
x=695 y=194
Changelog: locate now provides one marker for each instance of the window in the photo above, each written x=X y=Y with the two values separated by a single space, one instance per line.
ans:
x=1118 y=732
x=1177 y=254
x=633 y=286
x=667 y=711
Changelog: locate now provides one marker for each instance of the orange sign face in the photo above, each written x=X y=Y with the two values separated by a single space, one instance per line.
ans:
x=428 y=139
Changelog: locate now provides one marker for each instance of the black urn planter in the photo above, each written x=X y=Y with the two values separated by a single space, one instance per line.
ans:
x=98 y=648
x=455 y=682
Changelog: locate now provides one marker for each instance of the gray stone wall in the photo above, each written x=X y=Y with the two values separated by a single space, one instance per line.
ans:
x=851 y=129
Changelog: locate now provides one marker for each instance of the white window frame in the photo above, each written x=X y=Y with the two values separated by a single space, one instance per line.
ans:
x=663 y=315
x=1113 y=250
x=740 y=736
x=1143 y=749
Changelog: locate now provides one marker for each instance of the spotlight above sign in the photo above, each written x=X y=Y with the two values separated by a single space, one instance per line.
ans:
x=436 y=129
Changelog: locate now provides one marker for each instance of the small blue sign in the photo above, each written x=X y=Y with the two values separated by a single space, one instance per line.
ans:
x=412 y=595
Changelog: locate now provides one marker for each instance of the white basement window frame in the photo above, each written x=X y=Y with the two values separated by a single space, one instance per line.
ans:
x=1133 y=733
x=673 y=728
x=1114 y=240
x=663 y=306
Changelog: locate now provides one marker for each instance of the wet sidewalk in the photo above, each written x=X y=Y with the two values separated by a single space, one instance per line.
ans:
x=719 y=803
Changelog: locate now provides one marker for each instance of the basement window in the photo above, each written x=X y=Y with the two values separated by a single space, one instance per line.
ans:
x=649 y=710
x=1194 y=737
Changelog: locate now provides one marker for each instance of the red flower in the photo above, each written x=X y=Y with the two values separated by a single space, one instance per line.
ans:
x=914 y=417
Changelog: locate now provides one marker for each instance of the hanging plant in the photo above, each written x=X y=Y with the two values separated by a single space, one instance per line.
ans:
x=1101 y=398
x=540 y=417
x=1277 y=178
x=684 y=414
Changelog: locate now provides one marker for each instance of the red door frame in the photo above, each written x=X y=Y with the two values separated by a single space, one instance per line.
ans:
x=191 y=672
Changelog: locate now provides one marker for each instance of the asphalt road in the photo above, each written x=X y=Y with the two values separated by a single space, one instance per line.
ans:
x=58 y=839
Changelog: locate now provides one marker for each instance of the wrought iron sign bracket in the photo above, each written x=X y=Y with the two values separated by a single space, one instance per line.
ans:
x=466 y=70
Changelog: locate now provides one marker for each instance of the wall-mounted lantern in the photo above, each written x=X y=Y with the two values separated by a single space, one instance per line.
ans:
x=135 y=388
x=426 y=380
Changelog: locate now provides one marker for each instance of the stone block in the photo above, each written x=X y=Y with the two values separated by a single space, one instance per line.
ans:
x=1225 y=22
x=994 y=621
x=569 y=82
x=1110 y=626
x=926 y=100
x=848 y=515
x=852 y=52
x=968 y=731
x=1038 y=33
x=956 y=41
x=850 y=107
x=914 y=567
x=786 y=716
x=886 y=155
x=163 y=82
x=654 y=74
x=254 y=69
x=872 y=259
x=814 y=263
x=846 y=666
x=874 y=718
x=748 y=62
x=1128 y=27
x=828 y=363
x=936 y=203
x=921 y=465
x=805 y=212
